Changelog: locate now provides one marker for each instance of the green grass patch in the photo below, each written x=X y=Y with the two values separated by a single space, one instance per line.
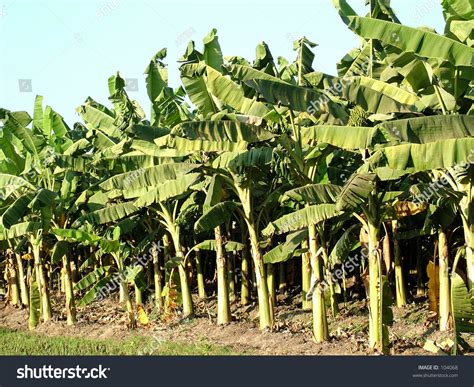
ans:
x=14 y=342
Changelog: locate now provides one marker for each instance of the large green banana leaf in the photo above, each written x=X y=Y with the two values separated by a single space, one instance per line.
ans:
x=210 y=244
x=212 y=53
x=60 y=249
x=284 y=251
x=74 y=235
x=460 y=9
x=215 y=216
x=14 y=124
x=426 y=129
x=315 y=193
x=111 y=213
x=305 y=57
x=168 y=190
x=301 y=218
x=233 y=131
x=378 y=97
x=216 y=193
x=245 y=73
x=185 y=145
x=356 y=191
x=297 y=98
x=192 y=76
x=345 y=137
x=156 y=76
x=463 y=304
x=231 y=93
x=344 y=245
x=398 y=94
x=255 y=157
x=147 y=177
x=54 y=123
x=10 y=184
x=99 y=117
x=408 y=39
x=434 y=155
x=19 y=230
x=91 y=278
x=151 y=149
x=16 y=211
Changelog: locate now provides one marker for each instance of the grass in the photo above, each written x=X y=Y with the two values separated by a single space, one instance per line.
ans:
x=14 y=342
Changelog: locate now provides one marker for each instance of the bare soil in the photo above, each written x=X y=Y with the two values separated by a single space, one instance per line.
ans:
x=292 y=335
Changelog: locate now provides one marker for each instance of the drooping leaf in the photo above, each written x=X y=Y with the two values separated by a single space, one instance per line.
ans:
x=215 y=216
x=285 y=251
x=60 y=249
x=315 y=193
x=355 y=191
x=91 y=278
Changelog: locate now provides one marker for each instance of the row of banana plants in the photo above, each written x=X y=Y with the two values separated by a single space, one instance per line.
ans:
x=256 y=178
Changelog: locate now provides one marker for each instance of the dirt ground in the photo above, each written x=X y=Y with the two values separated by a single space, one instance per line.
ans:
x=412 y=327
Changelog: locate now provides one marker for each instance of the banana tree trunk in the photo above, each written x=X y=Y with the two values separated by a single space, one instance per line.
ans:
x=22 y=281
x=245 y=280
x=128 y=303
x=223 y=306
x=138 y=295
x=271 y=283
x=332 y=290
x=420 y=271
x=265 y=309
x=264 y=305
x=42 y=284
x=124 y=291
x=469 y=240
x=186 y=297
x=466 y=205
x=399 y=280
x=282 y=278
x=62 y=284
x=376 y=331
x=185 y=290
x=12 y=280
x=444 y=288
x=157 y=280
x=231 y=278
x=200 y=276
x=305 y=276
x=68 y=287
x=320 y=321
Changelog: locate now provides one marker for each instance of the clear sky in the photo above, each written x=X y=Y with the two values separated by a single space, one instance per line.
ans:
x=65 y=50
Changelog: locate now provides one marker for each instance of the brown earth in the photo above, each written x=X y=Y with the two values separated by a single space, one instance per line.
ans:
x=412 y=326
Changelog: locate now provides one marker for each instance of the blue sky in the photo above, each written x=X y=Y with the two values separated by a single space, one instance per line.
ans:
x=67 y=49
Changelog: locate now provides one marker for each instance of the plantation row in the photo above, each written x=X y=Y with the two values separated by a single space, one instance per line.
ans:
x=254 y=178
